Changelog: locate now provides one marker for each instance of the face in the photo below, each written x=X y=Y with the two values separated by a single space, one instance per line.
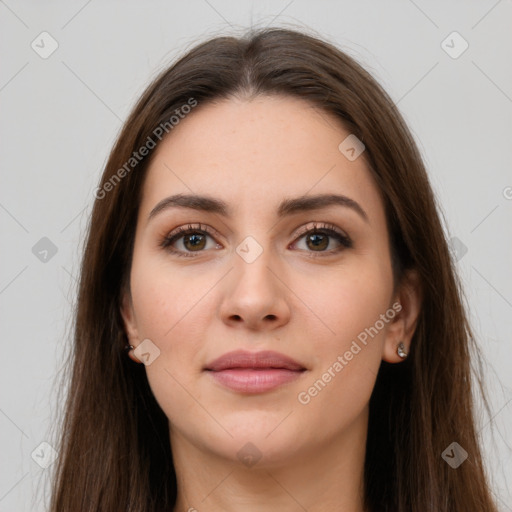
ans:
x=255 y=270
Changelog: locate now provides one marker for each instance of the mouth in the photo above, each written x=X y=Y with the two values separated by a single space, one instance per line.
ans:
x=254 y=372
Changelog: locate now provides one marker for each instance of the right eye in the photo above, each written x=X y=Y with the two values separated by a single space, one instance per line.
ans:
x=193 y=239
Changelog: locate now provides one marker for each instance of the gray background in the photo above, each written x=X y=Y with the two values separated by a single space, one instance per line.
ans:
x=60 y=116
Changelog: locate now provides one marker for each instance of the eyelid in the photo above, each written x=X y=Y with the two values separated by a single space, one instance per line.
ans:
x=319 y=226
x=192 y=226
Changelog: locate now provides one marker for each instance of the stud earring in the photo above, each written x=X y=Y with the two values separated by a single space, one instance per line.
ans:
x=400 y=350
x=128 y=347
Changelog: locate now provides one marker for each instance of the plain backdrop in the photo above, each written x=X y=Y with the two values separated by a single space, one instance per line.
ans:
x=70 y=72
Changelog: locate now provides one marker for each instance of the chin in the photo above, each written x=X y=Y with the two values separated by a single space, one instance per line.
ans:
x=263 y=437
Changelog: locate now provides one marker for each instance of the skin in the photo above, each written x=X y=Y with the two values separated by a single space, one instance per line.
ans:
x=252 y=155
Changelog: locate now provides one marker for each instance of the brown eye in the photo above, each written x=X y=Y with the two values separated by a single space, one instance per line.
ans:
x=194 y=241
x=187 y=240
x=319 y=240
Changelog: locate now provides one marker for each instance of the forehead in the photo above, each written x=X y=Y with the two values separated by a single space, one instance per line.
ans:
x=255 y=153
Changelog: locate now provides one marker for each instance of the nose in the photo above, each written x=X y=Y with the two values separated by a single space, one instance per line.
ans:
x=255 y=296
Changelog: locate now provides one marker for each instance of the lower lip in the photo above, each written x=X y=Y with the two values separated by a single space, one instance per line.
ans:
x=247 y=380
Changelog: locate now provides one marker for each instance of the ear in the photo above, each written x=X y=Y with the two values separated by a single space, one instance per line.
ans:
x=407 y=305
x=130 y=324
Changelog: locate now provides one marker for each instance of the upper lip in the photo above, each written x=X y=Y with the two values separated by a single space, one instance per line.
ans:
x=245 y=359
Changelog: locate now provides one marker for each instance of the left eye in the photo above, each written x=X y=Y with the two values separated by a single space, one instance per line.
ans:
x=318 y=240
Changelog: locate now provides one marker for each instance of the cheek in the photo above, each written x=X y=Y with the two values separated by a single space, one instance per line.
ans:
x=174 y=311
x=164 y=299
x=348 y=346
x=347 y=302
x=170 y=313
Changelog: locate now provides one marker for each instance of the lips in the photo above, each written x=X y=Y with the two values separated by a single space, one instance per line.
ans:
x=254 y=372
x=264 y=360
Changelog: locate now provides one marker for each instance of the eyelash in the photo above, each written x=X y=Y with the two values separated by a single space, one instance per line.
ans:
x=324 y=229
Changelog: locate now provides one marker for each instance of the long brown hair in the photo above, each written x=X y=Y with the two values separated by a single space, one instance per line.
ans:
x=115 y=450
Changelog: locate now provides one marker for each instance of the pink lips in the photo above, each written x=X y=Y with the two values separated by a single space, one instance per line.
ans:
x=254 y=372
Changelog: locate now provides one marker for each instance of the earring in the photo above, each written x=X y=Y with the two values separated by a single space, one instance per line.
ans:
x=400 y=350
x=128 y=347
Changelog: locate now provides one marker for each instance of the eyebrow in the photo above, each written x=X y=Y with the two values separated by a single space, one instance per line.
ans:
x=286 y=208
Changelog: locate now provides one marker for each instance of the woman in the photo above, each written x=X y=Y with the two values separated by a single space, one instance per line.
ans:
x=268 y=315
